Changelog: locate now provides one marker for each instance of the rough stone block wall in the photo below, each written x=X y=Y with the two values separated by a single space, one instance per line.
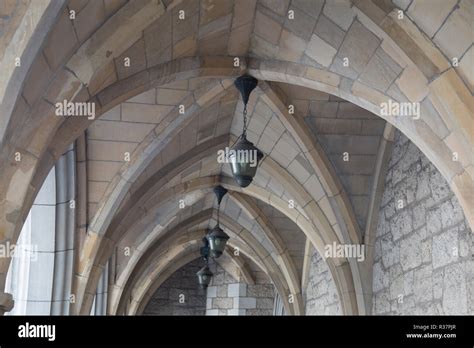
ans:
x=320 y=295
x=423 y=262
x=227 y=296
x=166 y=300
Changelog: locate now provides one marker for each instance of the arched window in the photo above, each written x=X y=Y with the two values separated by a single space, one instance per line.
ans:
x=41 y=269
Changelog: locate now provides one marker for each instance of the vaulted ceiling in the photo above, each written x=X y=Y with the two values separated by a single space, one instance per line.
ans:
x=161 y=76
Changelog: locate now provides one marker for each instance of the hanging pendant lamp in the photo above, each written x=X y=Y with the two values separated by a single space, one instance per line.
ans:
x=216 y=237
x=204 y=277
x=244 y=157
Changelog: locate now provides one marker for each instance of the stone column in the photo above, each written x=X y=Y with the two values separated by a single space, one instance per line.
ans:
x=228 y=296
x=6 y=302
x=100 y=299
x=64 y=232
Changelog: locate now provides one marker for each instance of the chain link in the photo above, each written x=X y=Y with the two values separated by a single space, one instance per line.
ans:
x=244 y=131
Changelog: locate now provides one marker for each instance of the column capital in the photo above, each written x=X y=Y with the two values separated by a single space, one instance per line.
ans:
x=6 y=302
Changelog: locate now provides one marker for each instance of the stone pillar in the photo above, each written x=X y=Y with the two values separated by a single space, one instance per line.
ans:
x=278 y=307
x=100 y=299
x=64 y=233
x=6 y=302
x=228 y=296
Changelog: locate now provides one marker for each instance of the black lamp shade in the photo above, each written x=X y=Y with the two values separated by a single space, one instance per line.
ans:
x=204 y=277
x=217 y=240
x=244 y=159
x=245 y=84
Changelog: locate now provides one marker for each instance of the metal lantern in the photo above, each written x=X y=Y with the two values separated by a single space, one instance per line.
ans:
x=216 y=237
x=244 y=157
x=217 y=241
x=244 y=160
x=204 y=277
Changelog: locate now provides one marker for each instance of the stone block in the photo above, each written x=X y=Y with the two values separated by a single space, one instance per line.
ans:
x=239 y=40
x=320 y=51
x=302 y=25
x=423 y=287
x=279 y=7
x=310 y=7
x=455 y=293
x=356 y=184
x=7 y=7
x=108 y=150
x=401 y=224
x=358 y=46
x=260 y=290
x=419 y=216
x=373 y=127
x=338 y=67
x=265 y=303
x=241 y=14
x=337 y=126
x=222 y=303
x=340 y=12
x=222 y=291
x=135 y=57
x=390 y=251
x=146 y=113
x=185 y=27
x=158 y=47
x=148 y=97
x=291 y=47
x=426 y=251
x=381 y=71
x=209 y=303
x=245 y=302
x=438 y=185
x=112 y=6
x=61 y=42
x=413 y=84
x=451 y=213
x=213 y=9
x=267 y=28
x=349 y=110
x=236 y=290
x=380 y=277
x=314 y=187
x=185 y=48
x=445 y=248
x=408 y=282
x=438 y=10
x=212 y=291
x=329 y=32
x=382 y=302
x=236 y=311
x=322 y=109
x=119 y=131
x=465 y=68
x=38 y=79
x=88 y=18
x=218 y=27
x=261 y=48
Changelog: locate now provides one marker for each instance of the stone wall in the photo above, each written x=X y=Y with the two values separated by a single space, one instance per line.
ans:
x=423 y=262
x=166 y=300
x=320 y=293
x=228 y=296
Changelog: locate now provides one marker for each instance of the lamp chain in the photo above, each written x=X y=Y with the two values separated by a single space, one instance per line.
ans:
x=244 y=131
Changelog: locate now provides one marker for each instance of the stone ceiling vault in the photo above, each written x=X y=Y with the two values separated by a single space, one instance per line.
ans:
x=191 y=63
